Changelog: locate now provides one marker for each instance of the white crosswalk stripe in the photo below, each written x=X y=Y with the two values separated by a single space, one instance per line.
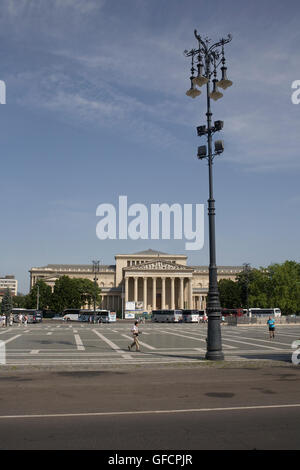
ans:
x=112 y=345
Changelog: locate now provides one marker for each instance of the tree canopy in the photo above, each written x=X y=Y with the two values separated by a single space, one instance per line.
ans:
x=67 y=293
x=7 y=304
x=73 y=293
x=278 y=285
x=41 y=290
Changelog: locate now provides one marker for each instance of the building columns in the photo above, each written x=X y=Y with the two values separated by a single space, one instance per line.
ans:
x=145 y=293
x=126 y=290
x=172 y=293
x=181 y=305
x=154 y=293
x=178 y=295
x=190 y=294
x=135 y=297
x=163 y=293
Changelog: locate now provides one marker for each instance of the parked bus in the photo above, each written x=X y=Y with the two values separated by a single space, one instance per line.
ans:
x=264 y=312
x=33 y=315
x=71 y=314
x=233 y=312
x=192 y=316
x=166 y=316
x=102 y=316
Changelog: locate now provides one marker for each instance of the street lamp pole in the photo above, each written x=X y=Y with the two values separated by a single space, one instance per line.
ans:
x=209 y=58
x=96 y=270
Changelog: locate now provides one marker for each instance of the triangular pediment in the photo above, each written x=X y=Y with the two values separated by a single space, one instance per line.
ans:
x=159 y=265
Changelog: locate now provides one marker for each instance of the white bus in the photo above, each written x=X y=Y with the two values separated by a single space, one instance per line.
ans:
x=264 y=312
x=166 y=316
x=102 y=316
x=70 y=314
x=192 y=316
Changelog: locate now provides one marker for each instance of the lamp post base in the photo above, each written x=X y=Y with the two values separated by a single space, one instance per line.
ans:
x=214 y=356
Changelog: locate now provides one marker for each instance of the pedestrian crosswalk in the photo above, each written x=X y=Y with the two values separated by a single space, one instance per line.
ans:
x=79 y=344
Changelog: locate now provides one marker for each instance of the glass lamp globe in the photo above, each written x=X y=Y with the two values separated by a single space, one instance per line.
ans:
x=193 y=92
x=215 y=94
x=200 y=80
x=224 y=82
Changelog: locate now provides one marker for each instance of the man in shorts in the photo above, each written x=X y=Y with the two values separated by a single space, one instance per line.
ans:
x=135 y=333
x=271 y=323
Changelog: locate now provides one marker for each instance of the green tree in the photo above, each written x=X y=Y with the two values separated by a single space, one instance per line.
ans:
x=278 y=285
x=7 y=303
x=65 y=294
x=256 y=283
x=285 y=286
x=88 y=291
x=19 y=301
x=41 y=290
x=230 y=293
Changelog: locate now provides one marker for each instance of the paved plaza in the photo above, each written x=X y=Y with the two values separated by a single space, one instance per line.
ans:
x=53 y=344
x=88 y=391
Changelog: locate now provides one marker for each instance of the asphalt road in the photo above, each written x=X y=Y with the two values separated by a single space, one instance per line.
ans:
x=237 y=407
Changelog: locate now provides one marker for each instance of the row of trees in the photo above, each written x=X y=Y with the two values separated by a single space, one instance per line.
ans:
x=67 y=293
x=278 y=285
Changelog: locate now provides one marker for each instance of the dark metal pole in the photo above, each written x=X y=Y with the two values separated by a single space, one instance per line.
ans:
x=214 y=341
x=212 y=55
x=95 y=284
x=96 y=269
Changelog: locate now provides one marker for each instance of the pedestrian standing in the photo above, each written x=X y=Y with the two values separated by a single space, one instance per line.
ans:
x=11 y=319
x=135 y=334
x=20 y=318
x=271 y=323
x=25 y=320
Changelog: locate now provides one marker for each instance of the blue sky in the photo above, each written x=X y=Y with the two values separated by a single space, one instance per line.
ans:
x=96 y=108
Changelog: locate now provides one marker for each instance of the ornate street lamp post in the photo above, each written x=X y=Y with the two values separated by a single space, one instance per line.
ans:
x=209 y=57
x=96 y=270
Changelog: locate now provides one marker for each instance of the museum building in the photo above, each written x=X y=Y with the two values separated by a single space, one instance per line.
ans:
x=152 y=279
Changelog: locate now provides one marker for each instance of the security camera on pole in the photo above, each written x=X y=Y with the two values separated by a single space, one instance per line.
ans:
x=209 y=57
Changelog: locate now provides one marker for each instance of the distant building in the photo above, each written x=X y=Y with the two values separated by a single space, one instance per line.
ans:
x=8 y=282
x=153 y=279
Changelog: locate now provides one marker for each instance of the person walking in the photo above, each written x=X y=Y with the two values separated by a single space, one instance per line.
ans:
x=20 y=318
x=11 y=319
x=25 y=320
x=271 y=323
x=135 y=334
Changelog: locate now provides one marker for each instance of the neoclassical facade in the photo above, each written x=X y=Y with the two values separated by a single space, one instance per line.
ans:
x=152 y=279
